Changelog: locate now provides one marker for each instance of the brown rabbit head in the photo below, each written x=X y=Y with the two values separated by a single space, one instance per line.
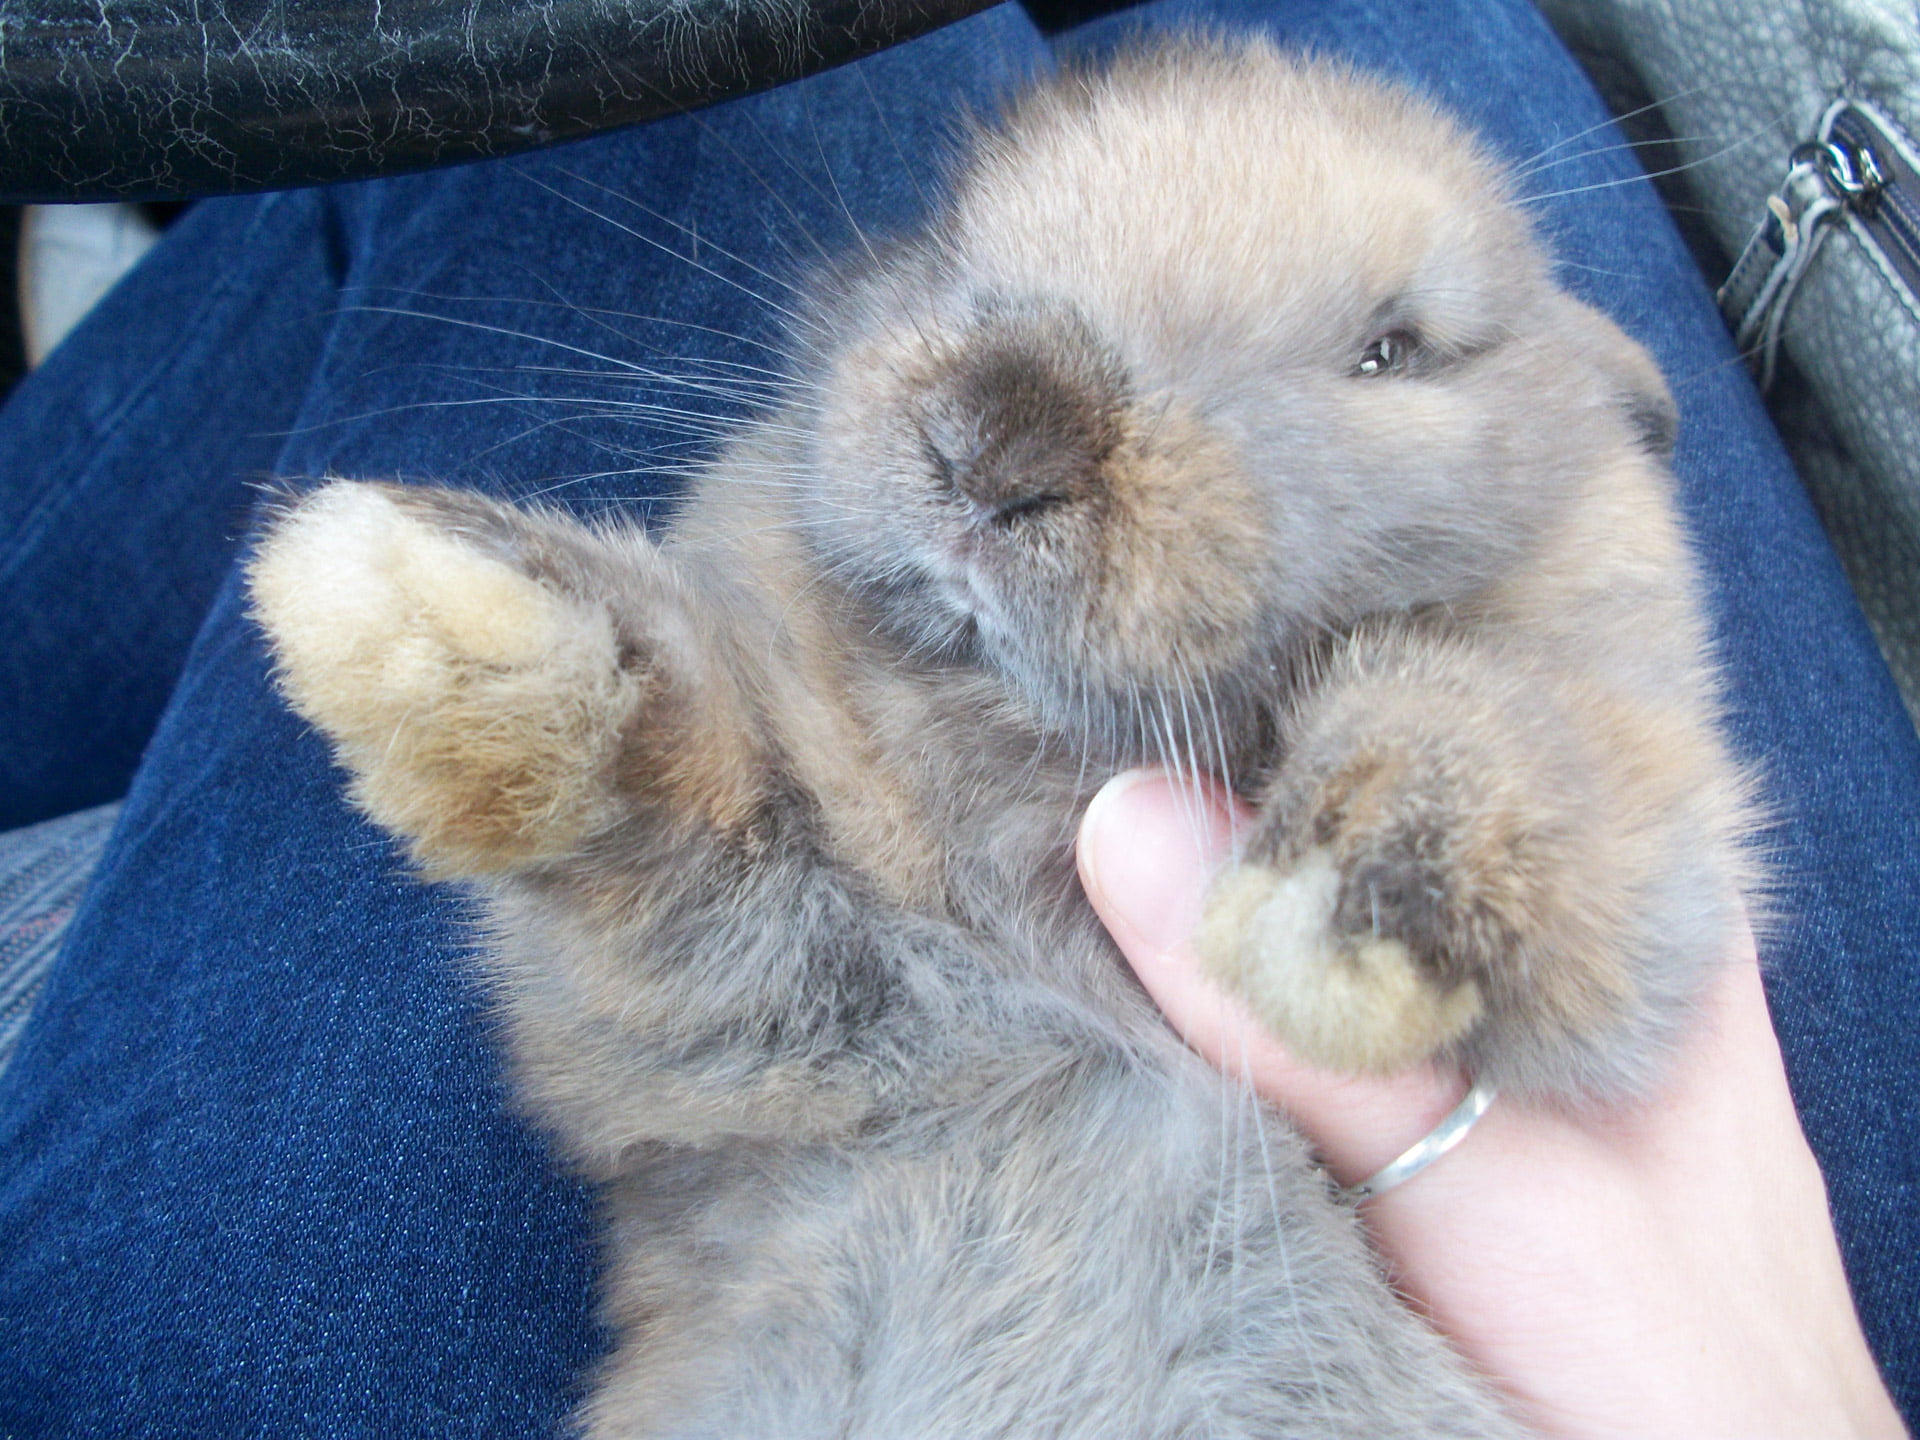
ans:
x=1175 y=385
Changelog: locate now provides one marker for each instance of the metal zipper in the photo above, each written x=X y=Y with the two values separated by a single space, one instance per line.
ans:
x=1861 y=172
x=1887 y=214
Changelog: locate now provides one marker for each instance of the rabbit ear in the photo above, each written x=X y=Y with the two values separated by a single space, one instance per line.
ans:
x=1640 y=390
x=1655 y=419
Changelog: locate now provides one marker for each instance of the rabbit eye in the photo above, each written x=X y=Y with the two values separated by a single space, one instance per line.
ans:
x=1387 y=354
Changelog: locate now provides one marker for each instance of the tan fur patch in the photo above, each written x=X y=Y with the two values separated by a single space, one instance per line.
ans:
x=827 y=707
x=1352 y=1004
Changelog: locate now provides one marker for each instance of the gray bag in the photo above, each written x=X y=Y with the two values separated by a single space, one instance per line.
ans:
x=1794 y=125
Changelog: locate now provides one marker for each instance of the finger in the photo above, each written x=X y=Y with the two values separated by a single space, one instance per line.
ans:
x=1149 y=845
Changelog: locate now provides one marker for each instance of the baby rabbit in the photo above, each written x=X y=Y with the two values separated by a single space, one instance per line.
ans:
x=1225 y=415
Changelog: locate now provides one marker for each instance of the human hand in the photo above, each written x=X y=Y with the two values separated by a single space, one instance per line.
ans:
x=1667 y=1270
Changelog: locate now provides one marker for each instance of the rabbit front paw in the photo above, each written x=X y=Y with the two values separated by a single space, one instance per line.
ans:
x=1342 y=962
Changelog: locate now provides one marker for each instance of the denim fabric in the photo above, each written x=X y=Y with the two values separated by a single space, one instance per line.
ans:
x=261 y=1175
x=44 y=871
x=126 y=468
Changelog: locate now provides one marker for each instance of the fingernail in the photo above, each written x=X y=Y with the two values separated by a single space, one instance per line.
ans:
x=1148 y=846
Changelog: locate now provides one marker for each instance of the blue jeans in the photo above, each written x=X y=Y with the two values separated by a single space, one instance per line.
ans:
x=259 y=1174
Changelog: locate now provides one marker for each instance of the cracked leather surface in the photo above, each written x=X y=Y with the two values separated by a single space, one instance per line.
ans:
x=1741 y=82
x=165 y=99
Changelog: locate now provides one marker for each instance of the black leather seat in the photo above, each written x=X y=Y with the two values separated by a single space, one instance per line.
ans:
x=157 y=100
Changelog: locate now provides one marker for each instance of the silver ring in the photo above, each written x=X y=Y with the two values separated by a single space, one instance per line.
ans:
x=1437 y=1142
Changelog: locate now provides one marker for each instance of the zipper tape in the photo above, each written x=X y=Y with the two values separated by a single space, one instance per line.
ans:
x=1886 y=220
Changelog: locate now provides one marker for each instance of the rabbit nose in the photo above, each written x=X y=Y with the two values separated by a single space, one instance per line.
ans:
x=1000 y=483
x=1013 y=439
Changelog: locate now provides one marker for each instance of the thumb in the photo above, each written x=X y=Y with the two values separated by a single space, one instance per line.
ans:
x=1149 y=845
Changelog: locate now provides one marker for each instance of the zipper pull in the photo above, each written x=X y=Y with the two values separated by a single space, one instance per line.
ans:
x=1856 y=172
x=1776 y=256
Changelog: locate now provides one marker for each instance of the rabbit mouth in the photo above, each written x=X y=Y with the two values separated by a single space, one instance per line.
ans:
x=975 y=613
